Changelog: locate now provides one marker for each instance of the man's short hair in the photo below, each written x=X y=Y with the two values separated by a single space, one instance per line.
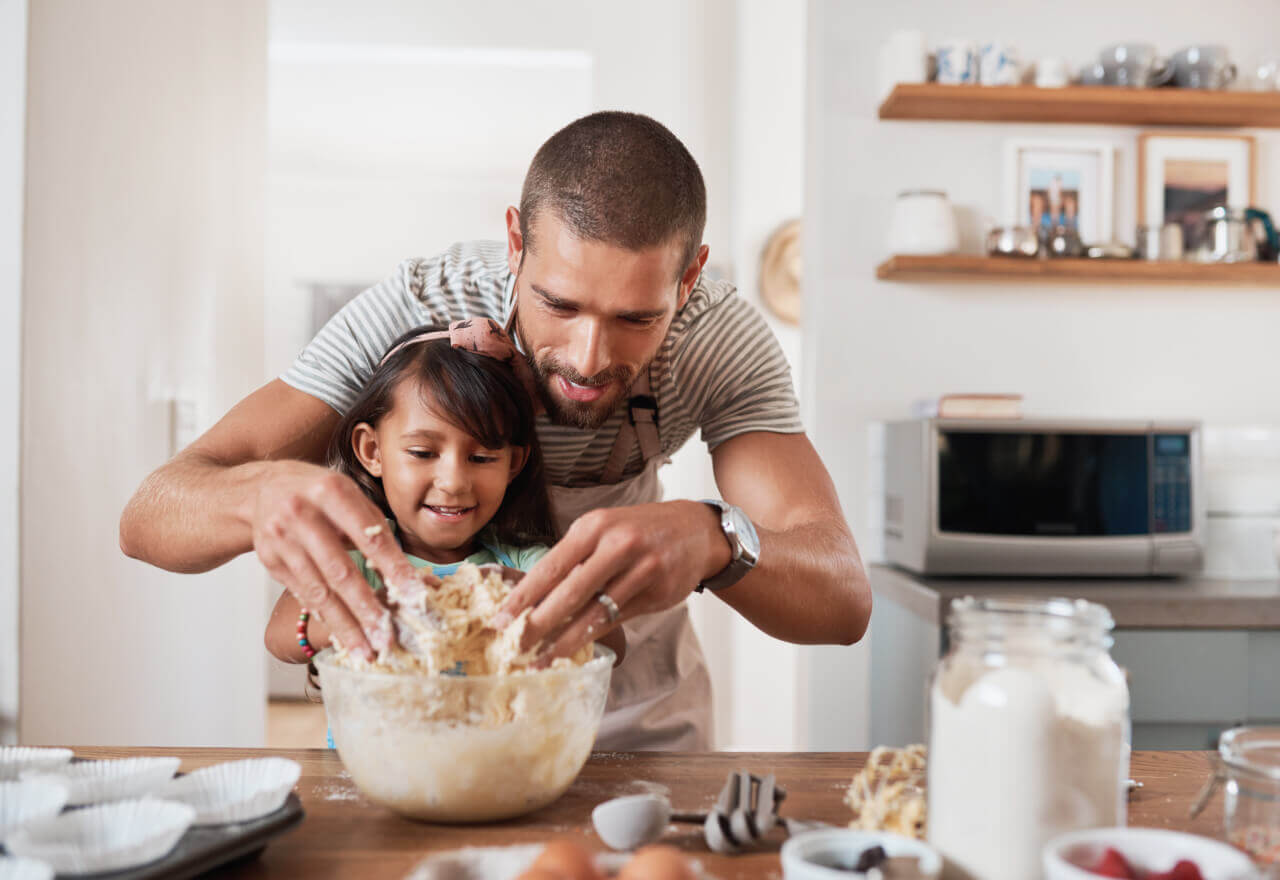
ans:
x=619 y=178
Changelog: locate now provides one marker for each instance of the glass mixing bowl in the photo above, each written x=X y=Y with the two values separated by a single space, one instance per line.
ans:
x=478 y=748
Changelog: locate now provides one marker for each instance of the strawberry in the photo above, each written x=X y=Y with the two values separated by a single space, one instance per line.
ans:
x=1115 y=865
x=1183 y=870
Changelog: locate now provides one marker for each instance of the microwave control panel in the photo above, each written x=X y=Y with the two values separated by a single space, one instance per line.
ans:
x=1171 y=483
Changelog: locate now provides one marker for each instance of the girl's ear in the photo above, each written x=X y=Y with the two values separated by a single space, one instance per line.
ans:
x=519 y=456
x=364 y=442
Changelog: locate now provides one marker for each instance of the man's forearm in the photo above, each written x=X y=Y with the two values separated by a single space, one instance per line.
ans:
x=810 y=586
x=191 y=514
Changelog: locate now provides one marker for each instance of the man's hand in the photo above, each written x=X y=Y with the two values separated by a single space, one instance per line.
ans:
x=305 y=517
x=646 y=558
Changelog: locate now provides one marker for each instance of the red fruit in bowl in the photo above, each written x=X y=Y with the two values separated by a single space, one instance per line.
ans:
x=1183 y=870
x=1115 y=865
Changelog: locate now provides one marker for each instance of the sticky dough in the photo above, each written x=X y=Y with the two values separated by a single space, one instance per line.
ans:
x=450 y=633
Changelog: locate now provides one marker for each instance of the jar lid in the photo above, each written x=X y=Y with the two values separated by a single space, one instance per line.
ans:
x=1253 y=750
x=1056 y=616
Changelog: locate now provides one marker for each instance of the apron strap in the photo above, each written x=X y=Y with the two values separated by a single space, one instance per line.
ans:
x=640 y=425
x=509 y=300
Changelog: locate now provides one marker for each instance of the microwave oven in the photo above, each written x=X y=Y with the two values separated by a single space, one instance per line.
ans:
x=1046 y=497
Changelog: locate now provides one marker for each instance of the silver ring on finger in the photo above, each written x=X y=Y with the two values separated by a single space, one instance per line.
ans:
x=611 y=607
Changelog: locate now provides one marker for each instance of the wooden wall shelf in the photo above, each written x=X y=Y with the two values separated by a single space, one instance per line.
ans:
x=998 y=269
x=1106 y=105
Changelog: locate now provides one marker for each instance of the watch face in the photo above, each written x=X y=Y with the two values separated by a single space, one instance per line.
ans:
x=746 y=532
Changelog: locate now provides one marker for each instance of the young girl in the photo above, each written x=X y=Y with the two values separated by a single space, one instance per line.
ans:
x=442 y=440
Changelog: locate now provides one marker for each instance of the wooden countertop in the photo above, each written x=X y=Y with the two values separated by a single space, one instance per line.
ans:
x=1135 y=603
x=344 y=835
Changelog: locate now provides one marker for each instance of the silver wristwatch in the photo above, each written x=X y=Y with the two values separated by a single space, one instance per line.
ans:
x=743 y=542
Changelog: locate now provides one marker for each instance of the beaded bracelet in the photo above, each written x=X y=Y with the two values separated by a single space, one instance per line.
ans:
x=305 y=645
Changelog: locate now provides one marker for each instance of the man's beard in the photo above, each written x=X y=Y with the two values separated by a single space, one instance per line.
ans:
x=571 y=413
x=576 y=414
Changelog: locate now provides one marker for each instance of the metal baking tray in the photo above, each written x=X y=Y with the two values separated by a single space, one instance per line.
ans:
x=205 y=848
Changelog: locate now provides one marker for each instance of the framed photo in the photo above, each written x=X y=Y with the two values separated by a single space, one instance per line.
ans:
x=1061 y=183
x=1181 y=176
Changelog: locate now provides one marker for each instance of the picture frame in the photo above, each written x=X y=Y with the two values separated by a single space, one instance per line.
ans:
x=1183 y=174
x=1061 y=182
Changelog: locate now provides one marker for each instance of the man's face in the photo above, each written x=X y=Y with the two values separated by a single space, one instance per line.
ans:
x=591 y=316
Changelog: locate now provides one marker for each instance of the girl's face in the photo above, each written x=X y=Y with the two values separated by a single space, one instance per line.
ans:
x=442 y=485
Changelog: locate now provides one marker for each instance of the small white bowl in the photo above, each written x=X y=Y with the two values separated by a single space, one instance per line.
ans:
x=23 y=802
x=1149 y=849
x=826 y=855
x=15 y=759
x=236 y=791
x=24 y=869
x=97 y=782
x=108 y=837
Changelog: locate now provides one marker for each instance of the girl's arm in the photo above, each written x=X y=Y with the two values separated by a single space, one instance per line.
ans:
x=282 y=631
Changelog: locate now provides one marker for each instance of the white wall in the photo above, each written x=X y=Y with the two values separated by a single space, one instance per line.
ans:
x=760 y=680
x=1094 y=350
x=13 y=94
x=142 y=281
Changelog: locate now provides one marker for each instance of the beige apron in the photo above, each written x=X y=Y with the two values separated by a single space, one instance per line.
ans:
x=660 y=697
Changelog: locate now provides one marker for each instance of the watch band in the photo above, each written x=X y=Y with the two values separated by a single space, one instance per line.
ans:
x=743 y=543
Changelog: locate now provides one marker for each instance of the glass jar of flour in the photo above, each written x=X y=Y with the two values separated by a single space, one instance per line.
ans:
x=1028 y=733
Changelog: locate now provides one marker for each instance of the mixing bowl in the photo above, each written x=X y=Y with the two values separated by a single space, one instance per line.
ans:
x=446 y=748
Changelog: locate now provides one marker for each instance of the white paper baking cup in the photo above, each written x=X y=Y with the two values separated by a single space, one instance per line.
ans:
x=24 y=869
x=108 y=837
x=23 y=802
x=96 y=782
x=15 y=759
x=236 y=791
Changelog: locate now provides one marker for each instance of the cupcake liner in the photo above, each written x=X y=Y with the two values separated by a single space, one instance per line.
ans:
x=96 y=782
x=23 y=802
x=24 y=869
x=108 y=837
x=236 y=791
x=15 y=759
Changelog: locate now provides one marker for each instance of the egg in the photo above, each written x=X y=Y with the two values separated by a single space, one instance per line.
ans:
x=566 y=860
x=539 y=874
x=657 y=863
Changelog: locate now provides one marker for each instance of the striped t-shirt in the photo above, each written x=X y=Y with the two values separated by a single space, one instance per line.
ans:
x=719 y=370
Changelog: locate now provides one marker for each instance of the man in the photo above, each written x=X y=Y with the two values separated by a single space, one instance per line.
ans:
x=601 y=281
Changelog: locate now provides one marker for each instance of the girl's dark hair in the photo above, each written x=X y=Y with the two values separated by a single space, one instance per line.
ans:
x=476 y=393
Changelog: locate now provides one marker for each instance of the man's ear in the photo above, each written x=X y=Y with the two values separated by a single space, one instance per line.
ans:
x=515 y=240
x=364 y=442
x=690 y=275
x=519 y=458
